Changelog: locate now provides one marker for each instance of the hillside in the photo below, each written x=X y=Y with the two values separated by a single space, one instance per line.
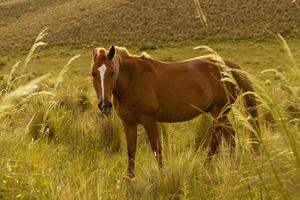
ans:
x=86 y=23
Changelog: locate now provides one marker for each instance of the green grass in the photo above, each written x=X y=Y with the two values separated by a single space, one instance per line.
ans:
x=77 y=154
x=253 y=56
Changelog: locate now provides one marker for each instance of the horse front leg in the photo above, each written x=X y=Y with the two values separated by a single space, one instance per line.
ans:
x=154 y=138
x=131 y=138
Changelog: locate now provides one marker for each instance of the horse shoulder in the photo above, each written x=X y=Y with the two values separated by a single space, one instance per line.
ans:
x=139 y=97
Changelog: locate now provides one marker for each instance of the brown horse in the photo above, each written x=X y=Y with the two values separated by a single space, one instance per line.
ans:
x=147 y=91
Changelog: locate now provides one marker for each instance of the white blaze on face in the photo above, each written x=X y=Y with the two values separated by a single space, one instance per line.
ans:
x=102 y=70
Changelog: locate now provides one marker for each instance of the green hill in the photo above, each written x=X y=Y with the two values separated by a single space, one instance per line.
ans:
x=85 y=23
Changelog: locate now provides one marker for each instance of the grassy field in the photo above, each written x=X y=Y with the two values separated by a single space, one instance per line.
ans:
x=55 y=145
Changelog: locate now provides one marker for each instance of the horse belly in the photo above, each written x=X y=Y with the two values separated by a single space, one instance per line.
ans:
x=184 y=100
x=181 y=109
x=177 y=117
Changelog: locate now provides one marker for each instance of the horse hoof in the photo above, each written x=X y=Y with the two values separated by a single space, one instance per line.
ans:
x=128 y=178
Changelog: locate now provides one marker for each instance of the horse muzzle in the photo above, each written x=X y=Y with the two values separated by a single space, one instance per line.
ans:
x=105 y=107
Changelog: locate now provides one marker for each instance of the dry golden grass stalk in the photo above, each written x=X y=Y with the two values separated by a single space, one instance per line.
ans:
x=64 y=70
x=200 y=13
x=21 y=91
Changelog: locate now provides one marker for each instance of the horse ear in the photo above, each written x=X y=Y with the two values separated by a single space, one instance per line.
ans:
x=111 y=53
x=94 y=52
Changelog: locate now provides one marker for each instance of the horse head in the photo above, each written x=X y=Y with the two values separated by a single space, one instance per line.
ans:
x=104 y=72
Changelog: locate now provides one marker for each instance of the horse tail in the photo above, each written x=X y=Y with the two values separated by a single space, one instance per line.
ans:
x=250 y=99
x=246 y=87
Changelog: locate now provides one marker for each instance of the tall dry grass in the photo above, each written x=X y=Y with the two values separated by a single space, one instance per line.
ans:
x=54 y=145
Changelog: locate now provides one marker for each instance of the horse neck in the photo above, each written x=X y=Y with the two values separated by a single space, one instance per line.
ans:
x=131 y=69
x=125 y=73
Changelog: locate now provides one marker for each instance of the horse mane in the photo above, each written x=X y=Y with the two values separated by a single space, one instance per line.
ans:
x=100 y=50
x=122 y=51
x=146 y=55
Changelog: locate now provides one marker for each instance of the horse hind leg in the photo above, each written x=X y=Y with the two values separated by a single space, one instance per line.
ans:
x=221 y=127
x=214 y=142
x=229 y=135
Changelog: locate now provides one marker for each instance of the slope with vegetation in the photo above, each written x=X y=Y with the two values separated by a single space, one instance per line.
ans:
x=148 y=22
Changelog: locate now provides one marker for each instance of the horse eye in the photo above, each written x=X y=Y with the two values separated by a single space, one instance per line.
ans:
x=93 y=75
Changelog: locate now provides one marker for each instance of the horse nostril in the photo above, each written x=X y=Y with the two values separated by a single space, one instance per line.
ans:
x=108 y=105
x=104 y=107
x=100 y=105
